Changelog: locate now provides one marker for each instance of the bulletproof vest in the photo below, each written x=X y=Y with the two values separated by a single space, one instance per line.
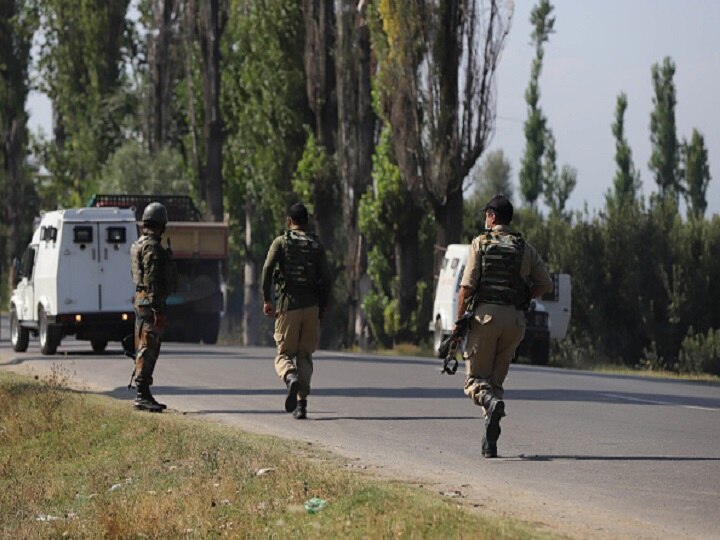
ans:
x=298 y=266
x=166 y=282
x=500 y=280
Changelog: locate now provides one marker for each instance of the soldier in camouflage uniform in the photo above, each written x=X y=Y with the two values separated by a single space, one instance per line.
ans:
x=155 y=277
x=297 y=265
x=503 y=273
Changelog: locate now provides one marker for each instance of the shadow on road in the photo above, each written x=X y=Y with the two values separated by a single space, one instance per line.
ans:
x=404 y=392
x=418 y=392
x=600 y=396
x=613 y=458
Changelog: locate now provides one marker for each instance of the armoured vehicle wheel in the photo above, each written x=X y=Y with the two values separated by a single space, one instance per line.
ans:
x=19 y=336
x=49 y=334
x=540 y=352
x=98 y=345
x=210 y=328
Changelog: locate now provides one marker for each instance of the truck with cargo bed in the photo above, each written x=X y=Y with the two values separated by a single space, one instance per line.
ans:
x=200 y=251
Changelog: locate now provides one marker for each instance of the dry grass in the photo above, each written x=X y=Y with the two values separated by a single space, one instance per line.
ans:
x=83 y=466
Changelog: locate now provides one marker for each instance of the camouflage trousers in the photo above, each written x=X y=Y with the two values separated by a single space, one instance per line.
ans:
x=297 y=333
x=147 y=345
x=495 y=334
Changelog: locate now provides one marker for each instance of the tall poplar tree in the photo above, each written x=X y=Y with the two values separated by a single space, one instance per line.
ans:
x=82 y=61
x=627 y=178
x=665 y=158
x=697 y=173
x=531 y=169
x=18 y=22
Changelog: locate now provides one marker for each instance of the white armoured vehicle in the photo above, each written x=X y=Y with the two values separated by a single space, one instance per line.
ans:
x=74 y=278
x=547 y=318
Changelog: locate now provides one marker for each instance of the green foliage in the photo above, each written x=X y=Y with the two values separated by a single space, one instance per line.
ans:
x=640 y=282
x=700 y=353
x=493 y=176
x=665 y=157
x=264 y=109
x=697 y=174
x=557 y=187
x=316 y=171
x=82 y=62
x=386 y=216
x=627 y=178
x=531 y=171
x=132 y=169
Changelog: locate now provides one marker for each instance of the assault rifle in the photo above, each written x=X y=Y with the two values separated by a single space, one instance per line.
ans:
x=447 y=351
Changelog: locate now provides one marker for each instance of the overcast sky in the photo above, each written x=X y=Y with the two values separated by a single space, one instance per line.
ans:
x=599 y=49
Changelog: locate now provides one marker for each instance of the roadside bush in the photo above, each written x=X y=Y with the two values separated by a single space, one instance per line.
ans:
x=700 y=353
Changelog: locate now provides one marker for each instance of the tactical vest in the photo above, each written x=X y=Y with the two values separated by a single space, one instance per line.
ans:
x=167 y=280
x=298 y=266
x=501 y=257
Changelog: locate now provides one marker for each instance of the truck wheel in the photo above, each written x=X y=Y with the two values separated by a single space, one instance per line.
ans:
x=540 y=352
x=438 y=336
x=98 y=345
x=49 y=334
x=210 y=328
x=19 y=336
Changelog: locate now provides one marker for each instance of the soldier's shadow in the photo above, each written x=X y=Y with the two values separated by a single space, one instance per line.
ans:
x=561 y=457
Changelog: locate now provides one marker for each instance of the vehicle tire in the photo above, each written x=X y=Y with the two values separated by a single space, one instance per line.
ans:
x=99 y=345
x=49 y=334
x=19 y=336
x=438 y=336
x=210 y=328
x=539 y=352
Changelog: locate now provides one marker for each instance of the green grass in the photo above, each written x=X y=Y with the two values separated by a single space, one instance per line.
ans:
x=84 y=466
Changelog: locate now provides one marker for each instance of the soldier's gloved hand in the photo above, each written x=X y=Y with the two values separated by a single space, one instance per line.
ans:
x=160 y=321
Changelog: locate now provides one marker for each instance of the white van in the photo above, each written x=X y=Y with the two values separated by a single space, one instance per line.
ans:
x=547 y=318
x=75 y=279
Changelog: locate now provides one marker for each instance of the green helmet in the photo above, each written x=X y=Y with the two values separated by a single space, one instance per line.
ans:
x=156 y=213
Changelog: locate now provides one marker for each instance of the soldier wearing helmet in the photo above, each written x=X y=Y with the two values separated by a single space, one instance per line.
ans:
x=155 y=277
x=502 y=274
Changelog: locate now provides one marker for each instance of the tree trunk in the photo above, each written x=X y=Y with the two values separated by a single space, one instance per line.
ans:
x=320 y=68
x=161 y=72
x=449 y=219
x=407 y=265
x=252 y=305
x=12 y=154
x=213 y=17
x=188 y=42
x=356 y=127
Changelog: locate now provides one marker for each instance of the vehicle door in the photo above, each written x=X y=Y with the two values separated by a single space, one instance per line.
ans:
x=116 y=288
x=80 y=275
x=557 y=303
x=25 y=289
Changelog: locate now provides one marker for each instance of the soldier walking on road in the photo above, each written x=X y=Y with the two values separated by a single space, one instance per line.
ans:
x=155 y=277
x=296 y=265
x=503 y=273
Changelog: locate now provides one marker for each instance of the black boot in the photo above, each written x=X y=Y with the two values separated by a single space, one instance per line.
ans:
x=145 y=402
x=495 y=409
x=488 y=450
x=292 y=383
x=300 y=411
x=152 y=399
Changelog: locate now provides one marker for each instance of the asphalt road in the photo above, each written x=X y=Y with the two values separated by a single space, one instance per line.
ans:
x=584 y=454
